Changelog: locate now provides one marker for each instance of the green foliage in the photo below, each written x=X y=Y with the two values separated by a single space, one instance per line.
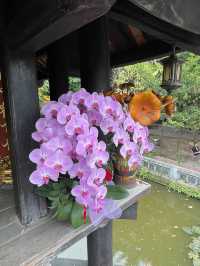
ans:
x=44 y=94
x=188 y=96
x=116 y=192
x=144 y=75
x=180 y=187
x=149 y=75
x=194 y=245
x=188 y=118
x=62 y=203
x=64 y=209
x=145 y=174
x=74 y=83
x=194 y=230
x=76 y=217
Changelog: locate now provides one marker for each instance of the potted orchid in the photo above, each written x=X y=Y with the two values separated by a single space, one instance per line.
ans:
x=79 y=137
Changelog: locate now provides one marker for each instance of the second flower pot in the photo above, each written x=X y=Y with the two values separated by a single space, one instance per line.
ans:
x=123 y=174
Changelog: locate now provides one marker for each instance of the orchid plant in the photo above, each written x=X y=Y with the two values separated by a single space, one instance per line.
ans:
x=73 y=162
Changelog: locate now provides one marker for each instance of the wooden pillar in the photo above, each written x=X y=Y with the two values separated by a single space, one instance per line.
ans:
x=95 y=56
x=58 y=61
x=22 y=110
x=100 y=246
x=95 y=76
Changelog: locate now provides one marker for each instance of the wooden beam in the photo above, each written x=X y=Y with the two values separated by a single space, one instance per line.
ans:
x=148 y=51
x=95 y=56
x=130 y=14
x=40 y=23
x=22 y=110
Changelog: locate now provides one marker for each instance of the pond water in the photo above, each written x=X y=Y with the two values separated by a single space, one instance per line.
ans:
x=156 y=237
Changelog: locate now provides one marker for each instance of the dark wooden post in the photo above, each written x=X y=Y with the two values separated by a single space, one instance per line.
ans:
x=95 y=76
x=99 y=246
x=22 y=110
x=58 y=61
x=95 y=56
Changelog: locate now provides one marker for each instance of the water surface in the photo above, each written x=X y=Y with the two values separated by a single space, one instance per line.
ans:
x=156 y=237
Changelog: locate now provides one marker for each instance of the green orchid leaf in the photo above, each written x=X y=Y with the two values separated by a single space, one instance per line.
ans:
x=55 y=198
x=63 y=211
x=116 y=192
x=54 y=205
x=64 y=198
x=58 y=186
x=76 y=217
x=43 y=191
x=54 y=193
x=69 y=183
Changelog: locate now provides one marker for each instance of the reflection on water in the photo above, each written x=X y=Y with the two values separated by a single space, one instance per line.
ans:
x=156 y=237
x=119 y=259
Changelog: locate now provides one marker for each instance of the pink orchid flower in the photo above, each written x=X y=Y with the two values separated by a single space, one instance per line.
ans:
x=98 y=158
x=94 y=118
x=77 y=125
x=39 y=156
x=120 y=137
x=110 y=210
x=94 y=101
x=141 y=133
x=60 y=162
x=82 y=193
x=96 y=177
x=108 y=125
x=129 y=124
x=80 y=96
x=128 y=149
x=50 y=109
x=66 y=113
x=146 y=146
x=59 y=143
x=42 y=175
x=80 y=170
x=66 y=98
x=87 y=142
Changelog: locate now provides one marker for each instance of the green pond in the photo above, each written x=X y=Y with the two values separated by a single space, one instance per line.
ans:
x=156 y=238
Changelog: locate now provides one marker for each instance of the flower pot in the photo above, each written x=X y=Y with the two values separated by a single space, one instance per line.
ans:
x=123 y=174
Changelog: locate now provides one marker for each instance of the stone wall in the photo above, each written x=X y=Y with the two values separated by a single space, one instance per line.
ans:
x=175 y=144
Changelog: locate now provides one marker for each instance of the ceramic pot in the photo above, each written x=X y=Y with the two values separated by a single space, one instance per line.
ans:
x=123 y=174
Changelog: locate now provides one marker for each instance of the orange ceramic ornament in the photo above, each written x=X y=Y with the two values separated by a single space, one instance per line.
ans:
x=169 y=105
x=145 y=107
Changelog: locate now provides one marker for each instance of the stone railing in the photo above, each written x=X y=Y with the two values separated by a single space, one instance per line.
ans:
x=172 y=172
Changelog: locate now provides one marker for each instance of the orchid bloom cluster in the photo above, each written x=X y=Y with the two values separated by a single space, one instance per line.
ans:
x=70 y=137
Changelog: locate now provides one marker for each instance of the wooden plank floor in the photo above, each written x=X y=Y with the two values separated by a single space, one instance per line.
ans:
x=9 y=224
x=38 y=244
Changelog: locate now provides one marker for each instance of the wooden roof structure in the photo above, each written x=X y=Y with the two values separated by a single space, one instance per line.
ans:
x=143 y=30
x=85 y=38
x=138 y=30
